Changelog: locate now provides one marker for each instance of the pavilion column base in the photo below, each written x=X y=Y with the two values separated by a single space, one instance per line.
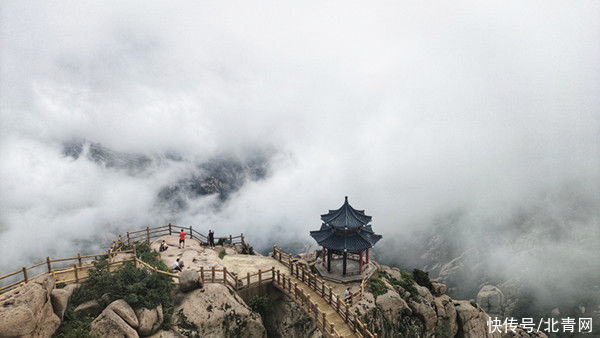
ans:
x=352 y=275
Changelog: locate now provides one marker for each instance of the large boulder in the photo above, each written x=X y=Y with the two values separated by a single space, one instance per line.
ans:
x=121 y=308
x=90 y=307
x=110 y=324
x=472 y=321
x=189 y=280
x=491 y=300
x=426 y=313
x=216 y=311
x=150 y=320
x=438 y=288
x=60 y=299
x=27 y=310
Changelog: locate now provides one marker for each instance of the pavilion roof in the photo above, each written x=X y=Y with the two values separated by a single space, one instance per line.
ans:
x=346 y=217
x=351 y=240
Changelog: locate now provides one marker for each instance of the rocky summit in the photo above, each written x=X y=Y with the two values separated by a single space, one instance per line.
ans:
x=393 y=303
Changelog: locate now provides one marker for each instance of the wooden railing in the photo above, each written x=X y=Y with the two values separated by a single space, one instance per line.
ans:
x=171 y=229
x=319 y=286
x=78 y=269
x=25 y=274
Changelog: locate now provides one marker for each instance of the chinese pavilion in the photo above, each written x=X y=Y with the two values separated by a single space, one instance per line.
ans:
x=346 y=232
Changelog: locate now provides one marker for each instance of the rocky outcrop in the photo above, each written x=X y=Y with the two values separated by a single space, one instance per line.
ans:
x=150 y=320
x=110 y=324
x=28 y=311
x=216 y=311
x=285 y=318
x=491 y=300
x=60 y=299
x=408 y=309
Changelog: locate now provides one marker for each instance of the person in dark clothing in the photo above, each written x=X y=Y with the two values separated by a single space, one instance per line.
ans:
x=211 y=238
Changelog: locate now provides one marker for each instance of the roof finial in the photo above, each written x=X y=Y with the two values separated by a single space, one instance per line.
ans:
x=346 y=197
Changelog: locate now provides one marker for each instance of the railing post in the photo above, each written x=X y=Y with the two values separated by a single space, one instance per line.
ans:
x=134 y=251
x=128 y=240
x=330 y=295
x=225 y=274
x=79 y=258
x=202 y=274
x=324 y=323
x=191 y=233
x=75 y=272
x=323 y=289
x=331 y=328
x=348 y=313
x=170 y=229
x=303 y=275
x=337 y=303
x=355 y=322
x=272 y=273
x=230 y=239
x=259 y=277
x=48 y=263
x=148 y=235
x=278 y=277
x=248 y=279
x=213 y=275
x=25 y=274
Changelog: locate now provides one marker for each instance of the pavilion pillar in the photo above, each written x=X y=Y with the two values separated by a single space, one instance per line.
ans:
x=360 y=261
x=367 y=256
x=323 y=256
x=328 y=260
x=345 y=257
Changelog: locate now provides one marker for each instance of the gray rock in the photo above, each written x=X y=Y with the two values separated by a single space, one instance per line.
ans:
x=110 y=324
x=491 y=300
x=121 y=308
x=149 y=320
x=60 y=299
x=89 y=307
x=189 y=280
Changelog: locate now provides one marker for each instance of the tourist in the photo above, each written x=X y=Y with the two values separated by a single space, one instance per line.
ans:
x=347 y=294
x=182 y=238
x=177 y=266
x=211 y=238
x=163 y=246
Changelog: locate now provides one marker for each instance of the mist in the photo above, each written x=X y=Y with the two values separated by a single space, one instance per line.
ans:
x=482 y=116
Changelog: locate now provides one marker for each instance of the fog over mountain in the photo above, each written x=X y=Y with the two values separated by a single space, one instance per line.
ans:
x=455 y=125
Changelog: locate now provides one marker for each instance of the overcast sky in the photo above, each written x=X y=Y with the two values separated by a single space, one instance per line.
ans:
x=412 y=109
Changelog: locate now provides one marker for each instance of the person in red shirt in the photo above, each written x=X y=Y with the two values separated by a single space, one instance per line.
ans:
x=182 y=238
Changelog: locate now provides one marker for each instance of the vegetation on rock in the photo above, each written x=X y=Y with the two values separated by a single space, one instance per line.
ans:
x=137 y=286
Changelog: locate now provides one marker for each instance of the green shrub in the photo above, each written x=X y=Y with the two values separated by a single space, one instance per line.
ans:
x=407 y=283
x=378 y=287
x=138 y=287
x=221 y=241
x=422 y=278
x=222 y=254
x=262 y=305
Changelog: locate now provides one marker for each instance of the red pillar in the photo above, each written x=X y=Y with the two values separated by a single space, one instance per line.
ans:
x=367 y=256
x=328 y=260
x=323 y=256
x=361 y=262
